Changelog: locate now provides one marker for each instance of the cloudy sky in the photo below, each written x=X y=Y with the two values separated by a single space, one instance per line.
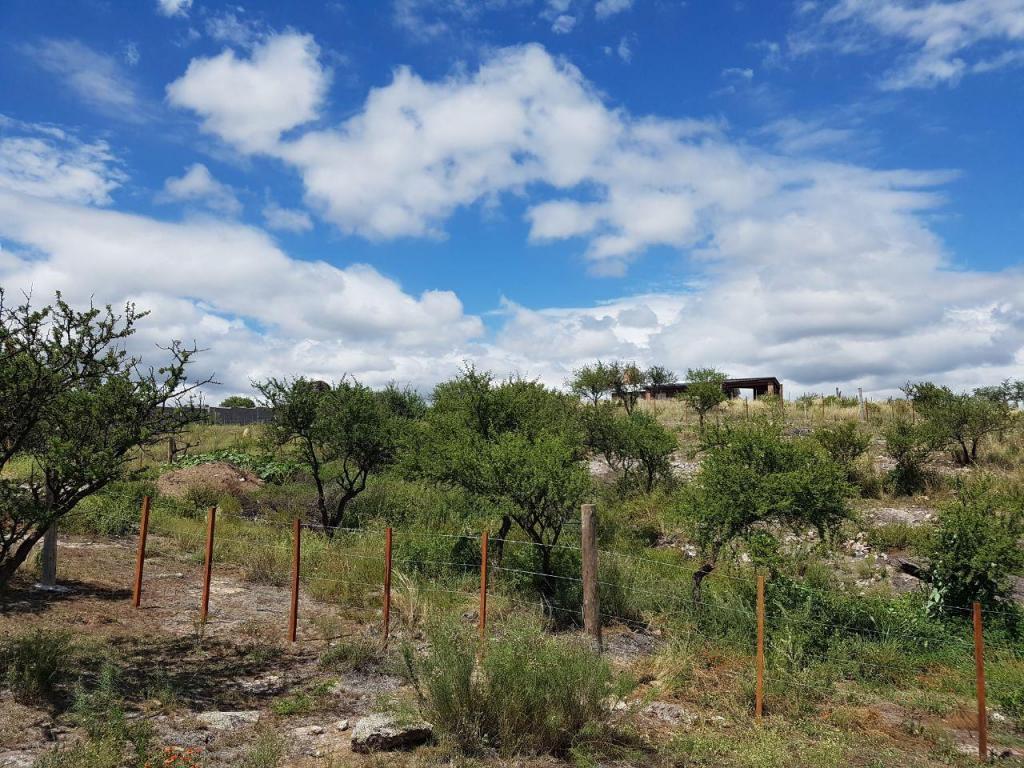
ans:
x=831 y=192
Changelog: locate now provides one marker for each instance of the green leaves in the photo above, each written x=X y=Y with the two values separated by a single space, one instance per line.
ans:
x=704 y=391
x=76 y=405
x=975 y=547
x=341 y=434
x=752 y=476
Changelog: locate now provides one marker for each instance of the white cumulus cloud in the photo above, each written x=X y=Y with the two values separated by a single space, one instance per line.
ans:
x=250 y=102
x=197 y=185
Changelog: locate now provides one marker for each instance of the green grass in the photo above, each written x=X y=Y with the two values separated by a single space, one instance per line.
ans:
x=33 y=665
x=529 y=694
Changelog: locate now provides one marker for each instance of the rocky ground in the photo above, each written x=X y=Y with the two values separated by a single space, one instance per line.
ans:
x=221 y=689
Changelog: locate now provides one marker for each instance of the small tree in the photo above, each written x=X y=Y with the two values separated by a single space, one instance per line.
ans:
x=592 y=383
x=961 y=420
x=237 y=401
x=342 y=434
x=659 y=375
x=634 y=445
x=752 y=478
x=515 y=444
x=704 y=391
x=76 y=406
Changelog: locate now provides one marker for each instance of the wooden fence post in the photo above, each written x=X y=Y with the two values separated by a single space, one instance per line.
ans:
x=387 y=585
x=591 y=607
x=979 y=670
x=211 y=522
x=484 y=538
x=759 y=689
x=140 y=556
x=293 y=612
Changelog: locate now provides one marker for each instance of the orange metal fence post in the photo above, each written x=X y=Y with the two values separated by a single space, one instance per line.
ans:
x=208 y=567
x=387 y=586
x=759 y=691
x=140 y=557
x=979 y=669
x=484 y=537
x=293 y=613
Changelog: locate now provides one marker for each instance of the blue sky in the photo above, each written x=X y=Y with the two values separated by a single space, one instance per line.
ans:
x=830 y=192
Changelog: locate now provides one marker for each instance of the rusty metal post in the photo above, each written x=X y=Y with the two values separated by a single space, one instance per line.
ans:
x=591 y=607
x=293 y=612
x=387 y=586
x=979 y=670
x=140 y=556
x=484 y=539
x=759 y=689
x=211 y=522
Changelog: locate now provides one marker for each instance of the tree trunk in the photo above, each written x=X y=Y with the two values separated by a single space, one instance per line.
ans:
x=698 y=579
x=14 y=560
x=499 y=542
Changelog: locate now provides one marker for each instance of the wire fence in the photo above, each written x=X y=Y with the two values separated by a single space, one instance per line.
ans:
x=641 y=604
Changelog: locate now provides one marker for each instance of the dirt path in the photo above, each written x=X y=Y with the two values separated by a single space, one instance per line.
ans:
x=187 y=680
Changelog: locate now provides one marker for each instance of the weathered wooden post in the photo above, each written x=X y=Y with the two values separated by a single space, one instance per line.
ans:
x=484 y=538
x=979 y=671
x=759 y=688
x=591 y=607
x=387 y=585
x=140 y=556
x=211 y=522
x=293 y=612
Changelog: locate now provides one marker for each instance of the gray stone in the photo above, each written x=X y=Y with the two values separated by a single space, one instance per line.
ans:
x=673 y=714
x=223 y=721
x=308 y=731
x=386 y=733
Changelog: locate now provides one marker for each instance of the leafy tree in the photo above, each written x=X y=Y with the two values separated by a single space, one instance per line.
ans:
x=704 y=391
x=975 y=547
x=908 y=445
x=752 y=478
x=591 y=382
x=960 y=420
x=515 y=444
x=76 y=405
x=634 y=445
x=237 y=401
x=658 y=375
x=627 y=382
x=342 y=434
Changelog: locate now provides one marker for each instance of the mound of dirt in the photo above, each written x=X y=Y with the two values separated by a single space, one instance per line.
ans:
x=218 y=476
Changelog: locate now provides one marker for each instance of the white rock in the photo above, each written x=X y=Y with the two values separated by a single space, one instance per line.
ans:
x=222 y=721
x=341 y=725
x=386 y=733
x=307 y=731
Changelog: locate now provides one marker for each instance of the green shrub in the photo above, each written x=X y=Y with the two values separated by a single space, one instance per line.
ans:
x=530 y=694
x=112 y=736
x=112 y=512
x=908 y=445
x=266 y=750
x=34 y=664
x=1006 y=687
x=844 y=442
x=975 y=547
x=904 y=536
x=348 y=655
